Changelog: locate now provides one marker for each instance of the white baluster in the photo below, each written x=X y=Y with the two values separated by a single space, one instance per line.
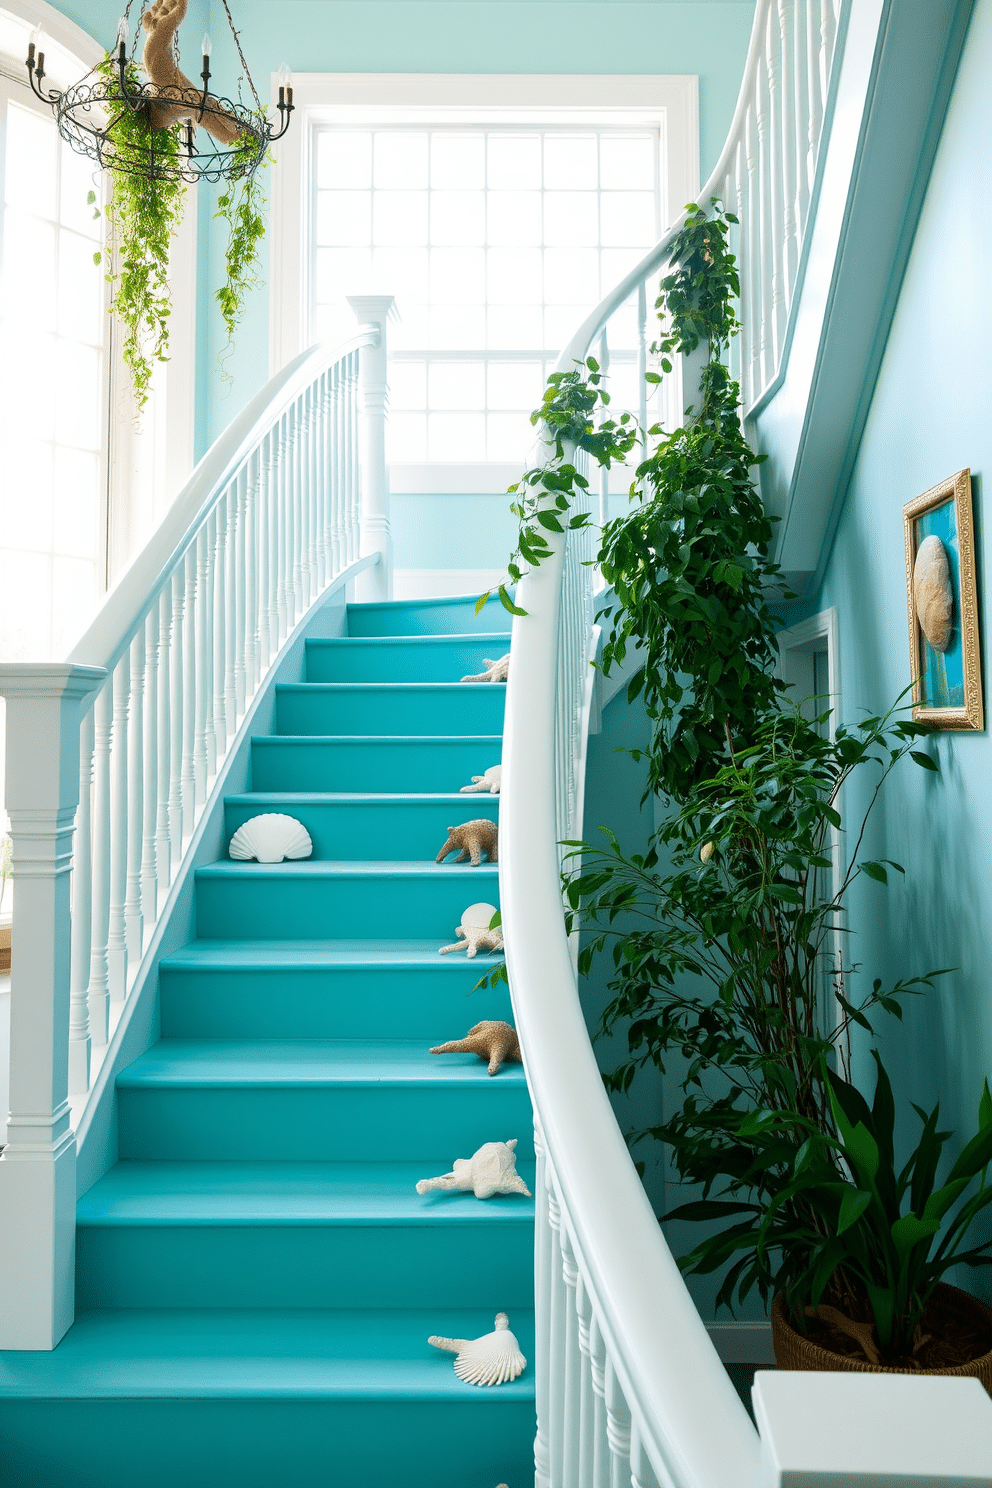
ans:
x=82 y=910
x=642 y=366
x=317 y=580
x=217 y=643
x=252 y=599
x=642 y=1474
x=284 y=561
x=163 y=828
x=604 y=474
x=238 y=580
x=816 y=80
x=263 y=569
x=788 y=148
x=617 y=1430
x=99 y=978
x=179 y=801
x=542 y=1320
x=117 y=940
x=587 y=1405
x=773 y=142
x=231 y=647
x=149 y=858
x=202 y=690
x=133 y=920
x=800 y=113
x=600 y=1425
x=556 y=1349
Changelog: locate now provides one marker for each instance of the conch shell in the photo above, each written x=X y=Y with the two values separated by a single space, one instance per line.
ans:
x=492 y=1359
x=491 y=1170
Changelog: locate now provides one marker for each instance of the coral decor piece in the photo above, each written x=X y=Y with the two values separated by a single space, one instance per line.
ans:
x=496 y=671
x=492 y=1041
x=474 y=932
x=471 y=840
x=490 y=781
x=270 y=838
x=158 y=59
x=491 y=1170
x=492 y=1359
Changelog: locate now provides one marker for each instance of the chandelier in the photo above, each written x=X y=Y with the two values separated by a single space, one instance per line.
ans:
x=89 y=112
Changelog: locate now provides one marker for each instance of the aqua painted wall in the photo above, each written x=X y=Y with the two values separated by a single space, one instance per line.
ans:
x=929 y=417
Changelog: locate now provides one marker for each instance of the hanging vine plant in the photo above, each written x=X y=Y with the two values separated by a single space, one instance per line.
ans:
x=241 y=206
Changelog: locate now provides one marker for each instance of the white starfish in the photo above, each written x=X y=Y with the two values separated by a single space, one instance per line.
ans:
x=496 y=671
x=489 y=782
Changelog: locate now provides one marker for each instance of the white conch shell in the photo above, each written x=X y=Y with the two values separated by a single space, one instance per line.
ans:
x=490 y=1360
x=491 y=1170
x=270 y=838
x=490 y=781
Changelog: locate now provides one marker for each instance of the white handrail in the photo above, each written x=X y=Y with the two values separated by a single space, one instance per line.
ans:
x=629 y=1386
x=133 y=729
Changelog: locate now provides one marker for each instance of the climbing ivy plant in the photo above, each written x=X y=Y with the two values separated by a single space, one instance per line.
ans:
x=143 y=216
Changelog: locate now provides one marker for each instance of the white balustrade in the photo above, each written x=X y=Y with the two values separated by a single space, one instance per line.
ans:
x=123 y=743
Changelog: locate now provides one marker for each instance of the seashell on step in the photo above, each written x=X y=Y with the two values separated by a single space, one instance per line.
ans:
x=478 y=916
x=933 y=593
x=490 y=781
x=270 y=838
x=493 y=1359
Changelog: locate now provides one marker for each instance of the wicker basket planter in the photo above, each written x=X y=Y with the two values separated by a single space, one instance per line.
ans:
x=950 y=1311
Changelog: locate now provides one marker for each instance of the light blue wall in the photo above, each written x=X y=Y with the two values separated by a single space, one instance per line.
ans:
x=929 y=417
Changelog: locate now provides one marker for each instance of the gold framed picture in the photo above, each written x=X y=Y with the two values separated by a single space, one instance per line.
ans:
x=942 y=602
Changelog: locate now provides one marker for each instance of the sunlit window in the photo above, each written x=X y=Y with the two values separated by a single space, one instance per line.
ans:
x=496 y=242
x=53 y=414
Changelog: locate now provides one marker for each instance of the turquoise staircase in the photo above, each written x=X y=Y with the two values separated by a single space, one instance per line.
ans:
x=257 y=1276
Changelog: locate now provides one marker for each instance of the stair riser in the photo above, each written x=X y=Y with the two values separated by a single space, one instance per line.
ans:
x=321 y=1123
x=421 y=617
x=477 y=1441
x=352 y=831
x=473 y=708
x=433 y=659
x=486 y=1265
x=390 y=764
x=253 y=904
x=409 y=1003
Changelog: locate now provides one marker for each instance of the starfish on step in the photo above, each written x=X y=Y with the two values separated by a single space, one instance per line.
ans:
x=476 y=932
x=496 y=671
x=493 y=1041
x=471 y=840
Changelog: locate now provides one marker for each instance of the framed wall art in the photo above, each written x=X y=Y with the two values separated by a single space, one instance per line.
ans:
x=942 y=600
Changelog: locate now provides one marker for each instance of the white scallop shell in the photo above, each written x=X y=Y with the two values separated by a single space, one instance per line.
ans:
x=270 y=838
x=492 y=1359
x=479 y=916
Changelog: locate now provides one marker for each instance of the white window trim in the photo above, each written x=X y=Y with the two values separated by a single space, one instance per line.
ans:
x=668 y=100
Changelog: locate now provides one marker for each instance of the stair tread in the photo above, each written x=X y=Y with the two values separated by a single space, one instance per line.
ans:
x=299 y=1062
x=303 y=1353
x=404 y=687
x=365 y=798
x=433 y=739
x=349 y=868
x=243 y=955
x=445 y=638
x=297 y=1193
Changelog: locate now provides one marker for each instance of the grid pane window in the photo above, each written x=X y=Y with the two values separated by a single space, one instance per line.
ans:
x=52 y=374
x=496 y=243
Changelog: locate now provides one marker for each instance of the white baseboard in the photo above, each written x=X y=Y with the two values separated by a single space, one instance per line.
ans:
x=743 y=1343
x=437 y=583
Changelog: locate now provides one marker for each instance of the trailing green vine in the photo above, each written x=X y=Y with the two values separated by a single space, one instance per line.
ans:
x=143 y=215
x=241 y=207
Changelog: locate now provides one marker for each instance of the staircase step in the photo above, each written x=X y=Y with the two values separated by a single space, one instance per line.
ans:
x=291 y=1234
x=294 y=1398
x=346 y=825
x=346 y=989
x=314 y=1101
x=301 y=899
x=401 y=658
x=424 y=708
x=371 y=762
x=450 y=615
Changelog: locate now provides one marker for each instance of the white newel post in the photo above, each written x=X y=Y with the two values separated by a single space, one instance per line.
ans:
x=38 y=1165
x=377 y=582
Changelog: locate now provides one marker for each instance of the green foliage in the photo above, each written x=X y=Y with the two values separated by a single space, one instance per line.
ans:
x=829 y=1216
x=241 y=207
x=143 y=214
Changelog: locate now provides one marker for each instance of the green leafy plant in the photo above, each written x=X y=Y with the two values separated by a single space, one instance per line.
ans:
x=143 y=214
x=831 y=1221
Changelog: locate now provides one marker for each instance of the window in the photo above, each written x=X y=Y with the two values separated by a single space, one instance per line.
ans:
x=498 y=211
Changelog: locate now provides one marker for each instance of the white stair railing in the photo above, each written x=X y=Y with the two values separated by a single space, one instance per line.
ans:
x=629 y=1387
x=131 y=731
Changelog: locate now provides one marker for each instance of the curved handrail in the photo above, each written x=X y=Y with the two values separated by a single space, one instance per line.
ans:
x=613 y=1306
x=137 y=588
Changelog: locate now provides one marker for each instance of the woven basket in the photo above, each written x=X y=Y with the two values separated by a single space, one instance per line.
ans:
x=794 y=1351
